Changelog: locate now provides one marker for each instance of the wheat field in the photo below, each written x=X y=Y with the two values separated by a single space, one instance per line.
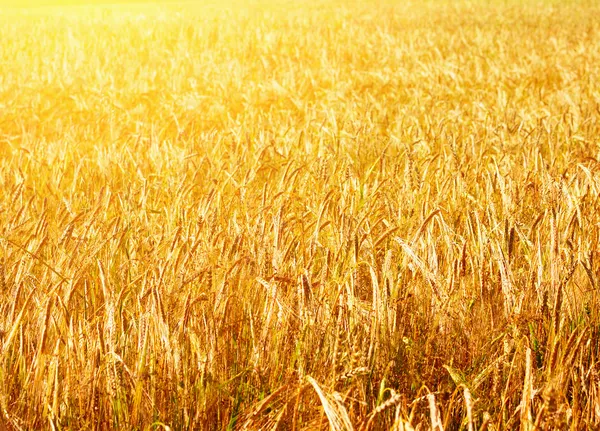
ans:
x=341 y=215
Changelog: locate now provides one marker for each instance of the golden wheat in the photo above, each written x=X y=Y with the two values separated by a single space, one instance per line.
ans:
x=337 y=215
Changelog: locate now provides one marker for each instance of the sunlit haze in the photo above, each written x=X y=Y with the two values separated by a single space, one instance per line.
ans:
x=280 y=215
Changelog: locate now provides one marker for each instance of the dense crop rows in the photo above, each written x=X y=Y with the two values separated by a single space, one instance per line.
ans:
x=346 y=215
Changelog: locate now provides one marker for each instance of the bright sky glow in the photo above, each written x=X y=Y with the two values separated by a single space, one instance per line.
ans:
x=69 y=3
